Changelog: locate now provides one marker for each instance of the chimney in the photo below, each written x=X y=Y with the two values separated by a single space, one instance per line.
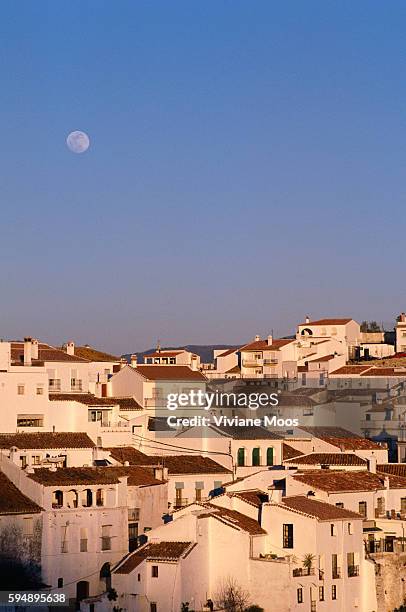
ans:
x=27 y=351
x=126 y=463
x=257 y=338
x=123 y=362
x=307 y=319
x=386 y=481
x=403 y=317
x=270 y=340
x=34 y=348
x=70 y=348
x=134 y=361
x=372 y=464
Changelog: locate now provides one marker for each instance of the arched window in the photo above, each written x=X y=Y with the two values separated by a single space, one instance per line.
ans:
x=72 y=499
x=306 y=332
x=256 y=459
x=57 y=499
x=269 y=455
x=241 y=457
x=99 y=497
x=87 y=498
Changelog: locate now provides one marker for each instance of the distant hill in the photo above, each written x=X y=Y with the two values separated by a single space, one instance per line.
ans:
x=205 y=351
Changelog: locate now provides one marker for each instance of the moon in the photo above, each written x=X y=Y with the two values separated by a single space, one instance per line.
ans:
x=78 y=142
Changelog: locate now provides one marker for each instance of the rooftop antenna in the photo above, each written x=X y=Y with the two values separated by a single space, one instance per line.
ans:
x=158 y=346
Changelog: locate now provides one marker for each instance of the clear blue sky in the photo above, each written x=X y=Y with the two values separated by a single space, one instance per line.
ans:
x=247 y=167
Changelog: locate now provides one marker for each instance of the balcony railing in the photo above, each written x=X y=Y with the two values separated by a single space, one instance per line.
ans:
x=303 y=571
x=76 y=385
x=54 y=384
x=252 y=363
x=353 y=570
x=336 y=572
x=179 y=503
x=271 y=361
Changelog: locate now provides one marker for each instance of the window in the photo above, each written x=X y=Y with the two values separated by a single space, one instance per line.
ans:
x=334 y=591
x=36 y=459
x=172 y=360
x=153 y=607
x=132 y=536
x=20 y=389
x=40 y=389
x=106 y=537
x=28 y=529
x=269 y=455
x=321 y=593
x=241 y=457
x=335 y=572
x=255 y=456
x=339 y=505
x=199 y=486
x=332 y=529
x=99 y=497
x=83 y=539
x=403 y=505
x=139 y=577
x=60 y=583
x=287 y=535
x=23 y=461
x=300 y=596
x=362 y=508
x=350 y=528
x=154 y=571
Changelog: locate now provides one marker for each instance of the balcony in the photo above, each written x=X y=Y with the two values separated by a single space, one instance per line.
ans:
x=76 y=385
x=271 y=362
x=180 y=502
x=336 y=573
x=299 y=572
x=252 y=363
x=353 y=570
x=54 y=385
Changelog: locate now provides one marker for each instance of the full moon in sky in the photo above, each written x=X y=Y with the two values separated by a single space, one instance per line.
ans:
x=78 y=142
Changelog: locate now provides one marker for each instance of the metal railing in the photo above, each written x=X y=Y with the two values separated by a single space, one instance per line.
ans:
x=54 y=384
x=179 y=503
x=353 y=570
x=303 y=571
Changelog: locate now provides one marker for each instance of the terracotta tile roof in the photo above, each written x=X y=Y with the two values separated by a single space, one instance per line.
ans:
x=324 y=358
x=327 y=322
x=328 y=459
x=232 y=518
x=74 y=476
x=246 y=433
x=317 y=509
x=350 y=369
x=397 y=469
x=44 y=440
x=82 y=398
x=341 y=438
x=387 y=372
x=227 y=352
x=288 y=452
x=12 y=501
x=46 y=352
x=254 y=498
x=125 y=403
x=154 y=551
x=262 y=345
x=169 y=372
x=92 y=354
x=136 y=476
x=342 y=481
x=176 y=464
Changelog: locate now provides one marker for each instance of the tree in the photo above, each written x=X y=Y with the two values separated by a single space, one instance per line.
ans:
x=231 y=596
x=308 y=561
